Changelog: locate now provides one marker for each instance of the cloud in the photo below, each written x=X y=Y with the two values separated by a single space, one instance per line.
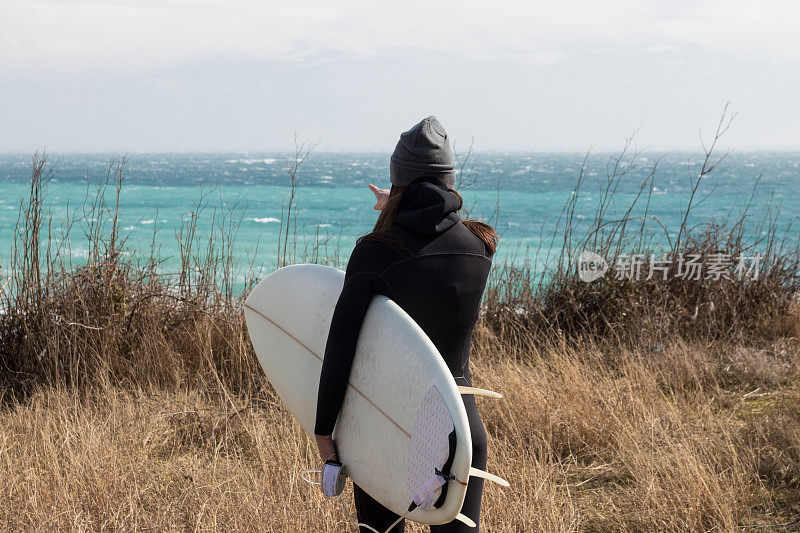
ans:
x=660 y=48
x=70 y=36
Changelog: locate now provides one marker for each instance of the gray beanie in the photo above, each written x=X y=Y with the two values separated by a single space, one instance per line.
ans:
x=424 y=150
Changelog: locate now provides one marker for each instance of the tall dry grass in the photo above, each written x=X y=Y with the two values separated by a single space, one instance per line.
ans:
x=649 y=446
x=117 y=319
x=657 y=305
x=132 y=400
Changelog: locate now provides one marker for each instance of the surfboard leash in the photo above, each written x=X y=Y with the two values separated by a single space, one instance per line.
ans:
x=350 y=518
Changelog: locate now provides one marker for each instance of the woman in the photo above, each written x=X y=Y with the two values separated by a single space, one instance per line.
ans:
x=434 y=265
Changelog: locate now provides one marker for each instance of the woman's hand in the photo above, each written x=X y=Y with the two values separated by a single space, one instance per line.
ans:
x=381 y=195
x=326 y=447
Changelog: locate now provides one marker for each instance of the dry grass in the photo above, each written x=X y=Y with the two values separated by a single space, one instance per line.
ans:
x=757 y=305
x=648 y=446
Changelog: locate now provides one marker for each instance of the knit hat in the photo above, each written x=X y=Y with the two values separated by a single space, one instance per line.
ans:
x=423 y=151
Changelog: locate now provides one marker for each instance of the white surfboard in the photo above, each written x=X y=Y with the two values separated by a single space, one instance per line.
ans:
x=402 y=401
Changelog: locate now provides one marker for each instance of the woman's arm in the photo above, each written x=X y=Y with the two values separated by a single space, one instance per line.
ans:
x=362 y=282
x=340 y=349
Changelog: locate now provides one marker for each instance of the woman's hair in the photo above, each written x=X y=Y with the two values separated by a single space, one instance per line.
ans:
x=482 y=230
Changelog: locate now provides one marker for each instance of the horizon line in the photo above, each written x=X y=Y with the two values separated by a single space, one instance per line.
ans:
x=475 y=151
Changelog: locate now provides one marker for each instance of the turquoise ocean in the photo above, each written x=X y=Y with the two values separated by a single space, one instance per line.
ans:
x=334 y=205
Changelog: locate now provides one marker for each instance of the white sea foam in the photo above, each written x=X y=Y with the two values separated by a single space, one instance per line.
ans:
x=268 y=161
x=264 y=220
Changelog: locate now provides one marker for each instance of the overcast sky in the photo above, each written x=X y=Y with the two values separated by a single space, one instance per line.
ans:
x=174 y=75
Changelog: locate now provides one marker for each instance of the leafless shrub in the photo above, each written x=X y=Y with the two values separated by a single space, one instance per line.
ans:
x=659 y=305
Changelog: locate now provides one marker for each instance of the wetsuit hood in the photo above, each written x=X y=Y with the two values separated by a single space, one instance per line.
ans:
x=427 y=209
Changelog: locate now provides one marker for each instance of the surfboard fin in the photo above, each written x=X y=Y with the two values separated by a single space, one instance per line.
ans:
x=465 y=519
x=474 y=472
x=480 y=392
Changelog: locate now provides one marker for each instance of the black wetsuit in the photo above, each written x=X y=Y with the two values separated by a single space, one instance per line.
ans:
x=439 y=282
